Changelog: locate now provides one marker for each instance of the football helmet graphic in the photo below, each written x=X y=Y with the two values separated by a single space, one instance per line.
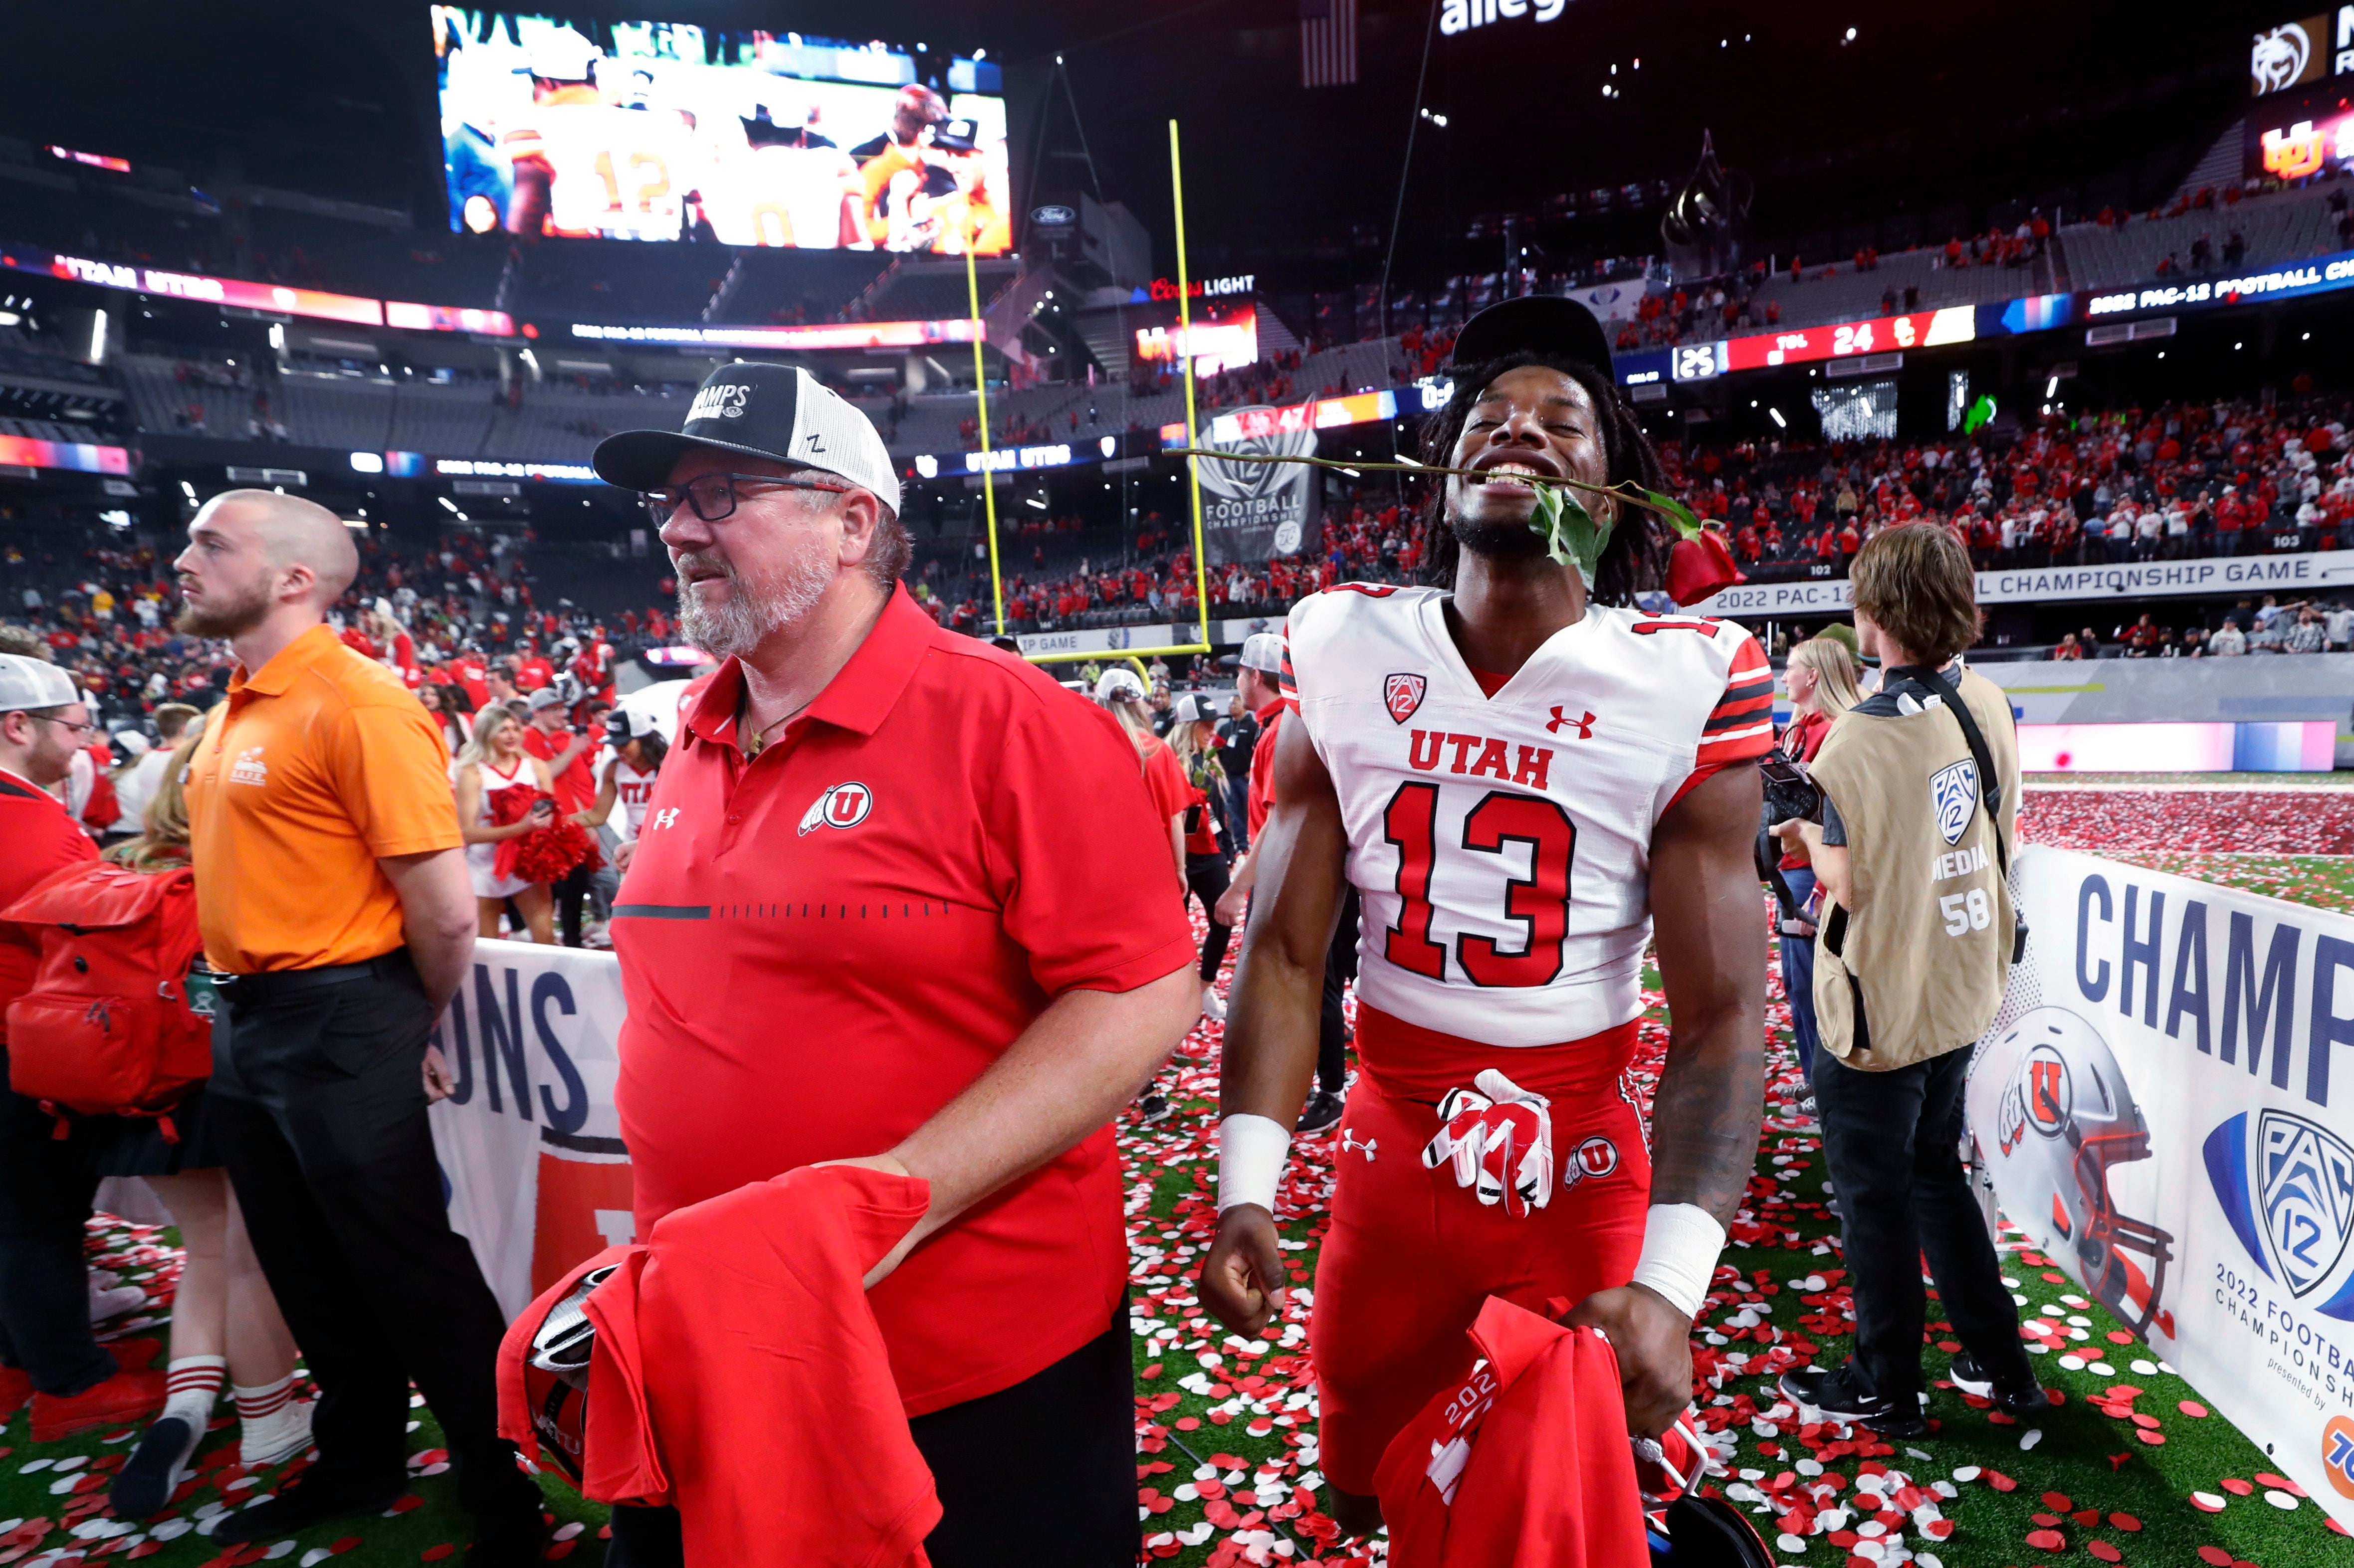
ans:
x=2053 y=1118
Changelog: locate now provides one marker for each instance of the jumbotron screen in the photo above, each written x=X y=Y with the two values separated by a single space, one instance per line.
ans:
x=665 y=131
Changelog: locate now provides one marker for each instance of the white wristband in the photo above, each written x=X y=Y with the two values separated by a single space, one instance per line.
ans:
x=1251 y=1152
x=1680 y=1241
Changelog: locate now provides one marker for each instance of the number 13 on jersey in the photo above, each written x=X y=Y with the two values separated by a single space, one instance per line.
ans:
x=1537 y=903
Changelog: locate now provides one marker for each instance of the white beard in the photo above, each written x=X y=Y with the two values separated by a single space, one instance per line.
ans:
x=751 y=614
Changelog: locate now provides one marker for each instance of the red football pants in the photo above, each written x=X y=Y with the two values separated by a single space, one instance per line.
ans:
x=1411 y=1257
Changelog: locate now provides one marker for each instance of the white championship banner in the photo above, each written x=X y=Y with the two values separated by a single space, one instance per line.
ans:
x=2290 y=575
x=529 y=1144
x=2163 y=1109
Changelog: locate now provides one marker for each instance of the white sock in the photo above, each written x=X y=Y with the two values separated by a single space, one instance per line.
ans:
x=276 y=1425
x=193 y=1385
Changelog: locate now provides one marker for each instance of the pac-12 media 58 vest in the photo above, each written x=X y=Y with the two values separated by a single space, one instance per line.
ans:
x=1917 y=967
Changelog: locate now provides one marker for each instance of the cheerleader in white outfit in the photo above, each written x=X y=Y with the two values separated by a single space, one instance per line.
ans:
x=493 y=760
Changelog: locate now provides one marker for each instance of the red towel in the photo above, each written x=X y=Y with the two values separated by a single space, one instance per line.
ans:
x=1523 y=1465
x=739 y=1376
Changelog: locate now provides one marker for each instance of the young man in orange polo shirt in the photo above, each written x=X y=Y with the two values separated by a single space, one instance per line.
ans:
x=899 y=901
x=333 y=898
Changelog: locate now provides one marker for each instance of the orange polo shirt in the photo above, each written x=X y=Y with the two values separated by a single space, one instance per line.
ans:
x=317 y=764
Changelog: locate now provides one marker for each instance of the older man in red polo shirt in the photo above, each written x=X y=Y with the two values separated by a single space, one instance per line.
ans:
x=900 y=900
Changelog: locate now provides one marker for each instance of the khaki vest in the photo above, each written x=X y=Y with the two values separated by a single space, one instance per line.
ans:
x=1918 y=967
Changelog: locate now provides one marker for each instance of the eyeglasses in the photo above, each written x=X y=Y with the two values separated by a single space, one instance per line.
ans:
x=713 y=495
x=62 y=723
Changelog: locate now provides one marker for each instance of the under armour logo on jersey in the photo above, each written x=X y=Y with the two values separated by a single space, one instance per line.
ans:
x=665 y=818
x=1402 y=694
x=843 y=806
x=1348 y=1141
x=1584 y=724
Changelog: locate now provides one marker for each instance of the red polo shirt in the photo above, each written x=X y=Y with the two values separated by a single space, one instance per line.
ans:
x=822 y=946
x=1261 y=799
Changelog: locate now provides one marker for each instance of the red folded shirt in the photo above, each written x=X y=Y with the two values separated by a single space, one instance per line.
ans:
x=739 y=1376
x=1523 y=1465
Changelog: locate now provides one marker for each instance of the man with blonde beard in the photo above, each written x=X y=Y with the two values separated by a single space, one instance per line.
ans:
x=333 y=902
x=887 y=910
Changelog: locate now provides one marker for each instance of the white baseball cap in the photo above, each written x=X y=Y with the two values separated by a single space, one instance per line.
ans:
x=27 y=684
x=1119 y=685
x=1262 y=651
x=780 y=412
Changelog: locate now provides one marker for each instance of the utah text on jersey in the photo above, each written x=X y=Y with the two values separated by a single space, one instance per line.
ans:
x=1502 y=844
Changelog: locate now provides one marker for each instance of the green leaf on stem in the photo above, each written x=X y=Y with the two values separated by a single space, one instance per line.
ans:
x=1572 y=535
x=1678 y=516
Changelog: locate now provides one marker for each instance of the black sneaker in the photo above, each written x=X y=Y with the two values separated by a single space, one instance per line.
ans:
x=1152 y=1107
x=518 y=1538
x=301 y=1506
x=1840 y=1395
x=2021 y=1399
x=1323 y=1112
x=144 y=1485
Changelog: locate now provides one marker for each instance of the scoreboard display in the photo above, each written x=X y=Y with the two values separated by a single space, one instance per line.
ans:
x=669 y=131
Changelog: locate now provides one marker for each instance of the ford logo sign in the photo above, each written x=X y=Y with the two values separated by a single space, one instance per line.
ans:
x=1053 y=216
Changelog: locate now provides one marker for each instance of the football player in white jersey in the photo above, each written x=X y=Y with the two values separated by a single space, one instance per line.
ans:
x=1520 y=776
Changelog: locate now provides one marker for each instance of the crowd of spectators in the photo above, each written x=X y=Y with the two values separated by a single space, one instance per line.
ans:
x=444 y=613
x=2174 y=480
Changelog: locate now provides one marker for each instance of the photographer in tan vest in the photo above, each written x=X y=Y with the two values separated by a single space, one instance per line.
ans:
x=1920 y=800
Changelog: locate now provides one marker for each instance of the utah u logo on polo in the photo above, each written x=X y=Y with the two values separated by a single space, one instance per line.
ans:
x=843 y=806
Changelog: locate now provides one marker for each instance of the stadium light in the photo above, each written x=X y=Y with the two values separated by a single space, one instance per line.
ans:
x=2306 y=338
x=1850 y=36
x=1779 y=423
x=2052 y=386
x=98 y=337
x=448 y=503
x=190 y=491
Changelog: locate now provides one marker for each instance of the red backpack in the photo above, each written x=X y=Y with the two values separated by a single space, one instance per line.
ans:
x=108 y=1027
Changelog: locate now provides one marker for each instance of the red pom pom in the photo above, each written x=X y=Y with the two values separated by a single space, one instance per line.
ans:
x=543 y=855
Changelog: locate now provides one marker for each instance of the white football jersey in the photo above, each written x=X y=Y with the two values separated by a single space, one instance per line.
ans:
x=1501 y=845
x=615 y=171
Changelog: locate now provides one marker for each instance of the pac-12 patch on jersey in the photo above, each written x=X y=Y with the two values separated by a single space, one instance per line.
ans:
x=1501 y=845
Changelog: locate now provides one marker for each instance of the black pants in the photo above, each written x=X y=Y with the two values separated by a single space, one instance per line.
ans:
x=1332 y=1024
x=1205 y=879
x=1892 y=1143
x=322 y=1114
x=571 y=894
x=1041 y=1475
x=46 y=1185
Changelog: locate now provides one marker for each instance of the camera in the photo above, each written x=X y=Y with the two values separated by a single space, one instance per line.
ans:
x=1790 y=795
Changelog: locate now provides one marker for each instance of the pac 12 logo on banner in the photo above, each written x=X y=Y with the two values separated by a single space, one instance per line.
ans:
x=2286 y=1186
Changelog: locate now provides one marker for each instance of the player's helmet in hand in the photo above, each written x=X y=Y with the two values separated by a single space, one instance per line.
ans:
x=556 y=1375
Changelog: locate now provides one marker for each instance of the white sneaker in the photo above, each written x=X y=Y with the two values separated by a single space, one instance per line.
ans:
x=277 y=1437
x=1214 y=1008
x=105 y=1304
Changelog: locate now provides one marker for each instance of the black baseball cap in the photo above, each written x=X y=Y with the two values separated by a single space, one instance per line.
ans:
x=780 y=412
x=1534 y=324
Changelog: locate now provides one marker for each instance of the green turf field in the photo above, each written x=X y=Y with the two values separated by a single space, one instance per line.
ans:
x=1226 y=1463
